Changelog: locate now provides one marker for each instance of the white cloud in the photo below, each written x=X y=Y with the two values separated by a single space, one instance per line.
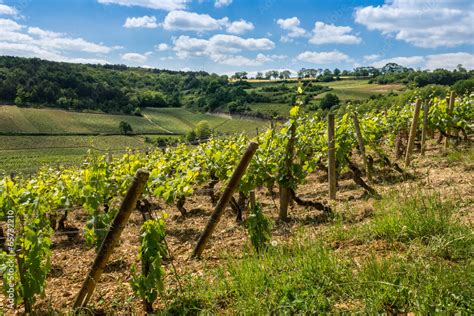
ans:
x=19 y=40
x=144 y=21
x=222 y=3
x=219 y=44
x=223 y=49
x=423 y=23
x=135 y=57
x=9 y=25
x=450 y=61
x=329 y=33
x=190 y=21
x=240 y=27
x=412 y=62
x=371 y=57
x=167 y=5
x=431 y=62
x=162 y=47
x=292 y=25
x=334 y=56
x=6 y=10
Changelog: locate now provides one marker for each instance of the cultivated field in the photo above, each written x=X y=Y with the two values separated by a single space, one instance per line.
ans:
x=63 y=137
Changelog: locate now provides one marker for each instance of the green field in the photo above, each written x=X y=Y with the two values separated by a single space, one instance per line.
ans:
x=42 y=145
x=357 y=89
x=154 y=121
x=31 y=120
x=345 y=89
x=27 y=153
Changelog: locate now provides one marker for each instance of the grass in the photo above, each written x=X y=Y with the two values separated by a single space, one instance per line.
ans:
x=306 y=276
x=425 y=221
x=271 y=108
x=356 y=89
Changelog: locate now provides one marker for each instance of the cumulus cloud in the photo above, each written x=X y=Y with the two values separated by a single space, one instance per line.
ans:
x=223 y=48
x=423 y=23
x=371 y=57
x=292 y=26
x=190 y=21
x=222 y=3
x=240 y=27
x=162 y=47
x=412 y=62
x=20 y=40
x=167 y=5
x=334 y=56
x=135 y=57
x=431 y=62
x=6 y=10
x=450 y=60
x=144 y=21
x=329 y=33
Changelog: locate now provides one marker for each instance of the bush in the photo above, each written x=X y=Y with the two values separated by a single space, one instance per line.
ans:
x=125 y=128
x=203 y=131
x=137 y=111
x=464 y=86
x=329 y=101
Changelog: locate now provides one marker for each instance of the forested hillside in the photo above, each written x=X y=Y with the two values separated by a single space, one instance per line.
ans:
x=112 y=88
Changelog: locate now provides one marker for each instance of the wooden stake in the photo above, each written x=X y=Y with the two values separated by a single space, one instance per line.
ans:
x=424 y=130
x=331 y=157
x=113 y=236
x=414 y=126
x=224 y=200
x=252 y=200
x=450 y=105
x=360 y=140
x=285 y=195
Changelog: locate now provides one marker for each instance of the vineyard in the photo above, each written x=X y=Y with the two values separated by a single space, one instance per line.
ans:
x=177 y=256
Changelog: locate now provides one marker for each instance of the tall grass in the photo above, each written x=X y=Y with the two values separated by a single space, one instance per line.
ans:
x=306 y=277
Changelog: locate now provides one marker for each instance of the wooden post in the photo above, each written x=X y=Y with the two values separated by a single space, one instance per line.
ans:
x=414 y=126
x=111 y=240
x=224 y=200
x=450 y=105
x=424 y=130
x=285 y=195
x=360 y=140
x=331 y=157
x=252 y=200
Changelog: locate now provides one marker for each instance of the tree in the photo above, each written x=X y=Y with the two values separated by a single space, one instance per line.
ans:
x=259 y=76
x=328 y=101
x=240 y=75
x=336 y=72
x=203 y=131
x=272 y=74
x=285 y=74
x=125 y=128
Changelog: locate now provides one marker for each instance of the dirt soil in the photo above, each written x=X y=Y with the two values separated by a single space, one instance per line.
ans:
x=71 y=258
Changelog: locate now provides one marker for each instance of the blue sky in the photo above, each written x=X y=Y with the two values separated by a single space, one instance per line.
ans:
x=225 y=36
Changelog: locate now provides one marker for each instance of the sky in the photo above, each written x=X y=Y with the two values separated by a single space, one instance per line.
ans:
x=225 y=36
